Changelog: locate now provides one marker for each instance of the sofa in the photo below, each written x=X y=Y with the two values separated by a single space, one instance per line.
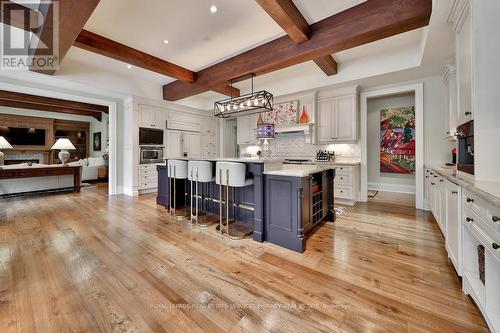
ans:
x=90 y=167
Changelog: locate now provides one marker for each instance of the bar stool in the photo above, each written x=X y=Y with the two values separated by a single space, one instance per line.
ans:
x=199 y=172
x=231 y=175
x=177 y=169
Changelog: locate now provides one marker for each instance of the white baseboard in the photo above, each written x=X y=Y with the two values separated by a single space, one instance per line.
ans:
x=396 y=188
x=131 y=191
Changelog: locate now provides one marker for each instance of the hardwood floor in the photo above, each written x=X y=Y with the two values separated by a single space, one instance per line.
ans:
x=87 y=263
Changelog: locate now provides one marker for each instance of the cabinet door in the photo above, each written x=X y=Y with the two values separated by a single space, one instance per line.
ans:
x=192 y=144
x=325 y=122
x=146 y=117
x=174 y=144
x=453 y=223
x=160 y=118
x=345 y=118
x=464 y=52
x=243 y=123
x=442 y=204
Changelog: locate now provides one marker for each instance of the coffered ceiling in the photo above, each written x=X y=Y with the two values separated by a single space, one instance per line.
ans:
x=198 y=39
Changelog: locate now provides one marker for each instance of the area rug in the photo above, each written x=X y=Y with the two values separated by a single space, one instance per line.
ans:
x=372 y=193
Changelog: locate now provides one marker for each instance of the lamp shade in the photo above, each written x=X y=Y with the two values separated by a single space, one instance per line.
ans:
x=4 y=144
x=63 y=144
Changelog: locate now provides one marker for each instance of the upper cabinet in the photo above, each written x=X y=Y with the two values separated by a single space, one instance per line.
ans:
x=152 y=117
x=451 y=102
x=463 y=28
x=247 y=129
x=338 y=118
x=184 y=121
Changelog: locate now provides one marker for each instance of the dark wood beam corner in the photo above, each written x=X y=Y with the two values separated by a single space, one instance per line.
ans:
x=73 y=15
x=228 y=91
x=327 y=65
x=288 y=17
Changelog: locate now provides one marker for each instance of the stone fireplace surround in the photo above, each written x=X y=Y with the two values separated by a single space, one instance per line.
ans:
x=23 y=157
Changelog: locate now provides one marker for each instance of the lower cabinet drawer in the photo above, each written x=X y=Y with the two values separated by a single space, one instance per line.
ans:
x=343 y=192
x=343 y=179
x=145 y=185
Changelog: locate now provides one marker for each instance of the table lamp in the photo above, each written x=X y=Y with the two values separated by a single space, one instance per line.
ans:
x=3 y=145
x=63 y=145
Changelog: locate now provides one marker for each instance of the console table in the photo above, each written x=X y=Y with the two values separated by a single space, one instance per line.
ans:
x=44 y=172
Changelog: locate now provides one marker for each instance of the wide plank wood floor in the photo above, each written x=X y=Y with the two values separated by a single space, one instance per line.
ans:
x=88 y=263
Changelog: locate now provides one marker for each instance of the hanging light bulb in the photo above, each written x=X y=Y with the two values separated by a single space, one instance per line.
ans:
x=255 y=102
x=242 y=106
x=249 y=103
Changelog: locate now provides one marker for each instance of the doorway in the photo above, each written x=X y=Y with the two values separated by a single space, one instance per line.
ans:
x=229 y=138
x=391 y=143
x=417 y=91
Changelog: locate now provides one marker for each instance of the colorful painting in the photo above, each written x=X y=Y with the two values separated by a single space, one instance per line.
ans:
x=397 y=140
x=283 y=114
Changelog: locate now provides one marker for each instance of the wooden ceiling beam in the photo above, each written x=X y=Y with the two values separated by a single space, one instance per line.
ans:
x=228 y=91
x=13 y=14
x=367 y=22
x=327 y=65
x=73 y=15
x=289 y=18
x=41 y=103
x=101 y=45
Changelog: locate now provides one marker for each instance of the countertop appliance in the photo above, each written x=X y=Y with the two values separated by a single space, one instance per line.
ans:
x=151 y=154
x=151 y=137
x=325 y=156
x=465 y=136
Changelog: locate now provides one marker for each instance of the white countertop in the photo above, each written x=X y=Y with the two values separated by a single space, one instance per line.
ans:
x=297 y=170
x=489 y=191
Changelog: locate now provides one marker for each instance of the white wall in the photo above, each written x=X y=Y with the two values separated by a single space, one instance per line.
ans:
x=376 y=179
x=94 y=125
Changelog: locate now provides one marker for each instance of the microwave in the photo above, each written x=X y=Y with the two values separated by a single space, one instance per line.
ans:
x=151 y=154
x=149 y=136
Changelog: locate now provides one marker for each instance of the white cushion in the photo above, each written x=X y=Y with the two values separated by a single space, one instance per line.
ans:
x=95 y=161
x=76 y=163
x=237 y=174
x=200 y=171
x=180 y=167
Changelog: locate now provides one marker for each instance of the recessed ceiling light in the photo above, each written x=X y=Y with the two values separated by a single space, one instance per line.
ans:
x=165 y=41
x=213 y=9
x=129 y=66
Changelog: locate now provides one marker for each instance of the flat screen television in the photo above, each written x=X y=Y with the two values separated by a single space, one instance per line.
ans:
x=23 y=136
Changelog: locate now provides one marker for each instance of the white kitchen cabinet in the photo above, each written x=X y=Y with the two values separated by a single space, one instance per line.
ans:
x=338 y=119
x=183 y=121
x=209 y=126
x=183 y=144
x=464 y=64
x=452 y=111
x=174 y=144
x=453 y=236
x=192 y=144
x=346 y=184
x=247 y=129
x=325 y=120
x=148 y=177
x=152 y=117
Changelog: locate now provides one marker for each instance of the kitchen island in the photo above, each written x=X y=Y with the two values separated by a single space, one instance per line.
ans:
x=288 y=202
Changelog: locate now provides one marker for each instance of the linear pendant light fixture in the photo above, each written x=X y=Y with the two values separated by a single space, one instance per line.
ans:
x=255 y=102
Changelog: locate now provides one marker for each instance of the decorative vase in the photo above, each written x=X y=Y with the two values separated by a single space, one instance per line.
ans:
x=304 y=119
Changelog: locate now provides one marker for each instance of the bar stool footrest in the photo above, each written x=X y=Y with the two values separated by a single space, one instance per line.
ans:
x=237 y=230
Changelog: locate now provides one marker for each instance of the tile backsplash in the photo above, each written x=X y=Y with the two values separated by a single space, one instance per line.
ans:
x=294 y=145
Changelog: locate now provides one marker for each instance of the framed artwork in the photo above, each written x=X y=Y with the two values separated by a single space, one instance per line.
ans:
x=283 y=113
x=397 y=140
x=97 y=141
